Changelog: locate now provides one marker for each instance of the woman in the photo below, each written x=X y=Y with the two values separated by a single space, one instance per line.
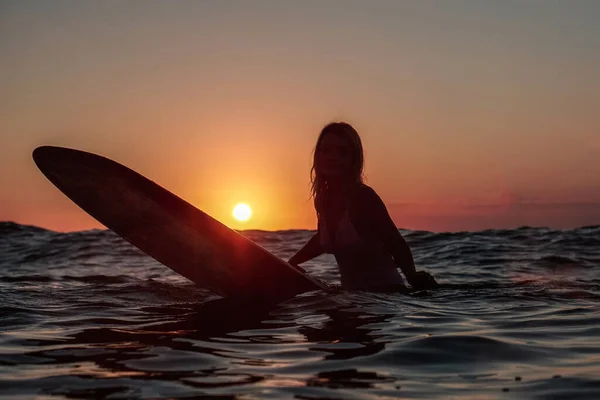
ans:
x=353 y=222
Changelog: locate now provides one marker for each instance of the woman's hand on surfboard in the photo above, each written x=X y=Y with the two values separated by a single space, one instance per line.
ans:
x=422 y=280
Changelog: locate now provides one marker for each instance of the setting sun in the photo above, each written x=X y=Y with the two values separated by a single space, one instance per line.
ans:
x=242 y=212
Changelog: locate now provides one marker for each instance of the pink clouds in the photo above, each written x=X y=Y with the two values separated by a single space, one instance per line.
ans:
x=507 y=213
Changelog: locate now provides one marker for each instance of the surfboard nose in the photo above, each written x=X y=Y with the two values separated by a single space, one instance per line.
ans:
x=50 y=159
x=43 y=155
x=39 y=152
x=61 y=164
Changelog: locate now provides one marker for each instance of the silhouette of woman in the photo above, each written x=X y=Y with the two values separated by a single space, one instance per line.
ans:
x=353 y=223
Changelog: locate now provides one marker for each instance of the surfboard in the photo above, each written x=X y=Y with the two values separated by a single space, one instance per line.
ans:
x=171 y=230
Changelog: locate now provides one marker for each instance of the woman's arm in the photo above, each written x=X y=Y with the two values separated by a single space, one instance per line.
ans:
x=373 y=215
x=309 y=251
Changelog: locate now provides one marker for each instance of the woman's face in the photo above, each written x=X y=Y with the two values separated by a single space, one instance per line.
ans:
x=334 y=157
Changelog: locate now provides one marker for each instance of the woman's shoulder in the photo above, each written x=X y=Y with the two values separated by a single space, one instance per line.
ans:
x=366 y=195
x=365 y=190
x=368 y=209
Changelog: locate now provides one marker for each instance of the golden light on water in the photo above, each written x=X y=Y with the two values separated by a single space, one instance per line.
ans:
x=242 y=212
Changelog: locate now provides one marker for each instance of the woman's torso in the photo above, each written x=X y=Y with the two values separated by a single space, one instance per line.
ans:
x=362 y=259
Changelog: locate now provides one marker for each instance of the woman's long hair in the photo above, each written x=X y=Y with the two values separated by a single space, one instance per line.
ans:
x=317 y=180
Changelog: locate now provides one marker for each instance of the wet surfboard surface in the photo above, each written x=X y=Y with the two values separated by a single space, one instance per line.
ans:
x=171 y=230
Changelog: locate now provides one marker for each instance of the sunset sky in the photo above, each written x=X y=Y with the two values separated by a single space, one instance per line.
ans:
x=473 y=114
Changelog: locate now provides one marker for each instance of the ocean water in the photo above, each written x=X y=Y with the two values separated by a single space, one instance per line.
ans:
x=84 y=315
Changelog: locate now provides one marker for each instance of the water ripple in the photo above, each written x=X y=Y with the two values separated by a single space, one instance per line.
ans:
x=86 y=315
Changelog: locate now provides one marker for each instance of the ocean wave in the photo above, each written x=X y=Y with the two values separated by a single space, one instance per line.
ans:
x=87 y=315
